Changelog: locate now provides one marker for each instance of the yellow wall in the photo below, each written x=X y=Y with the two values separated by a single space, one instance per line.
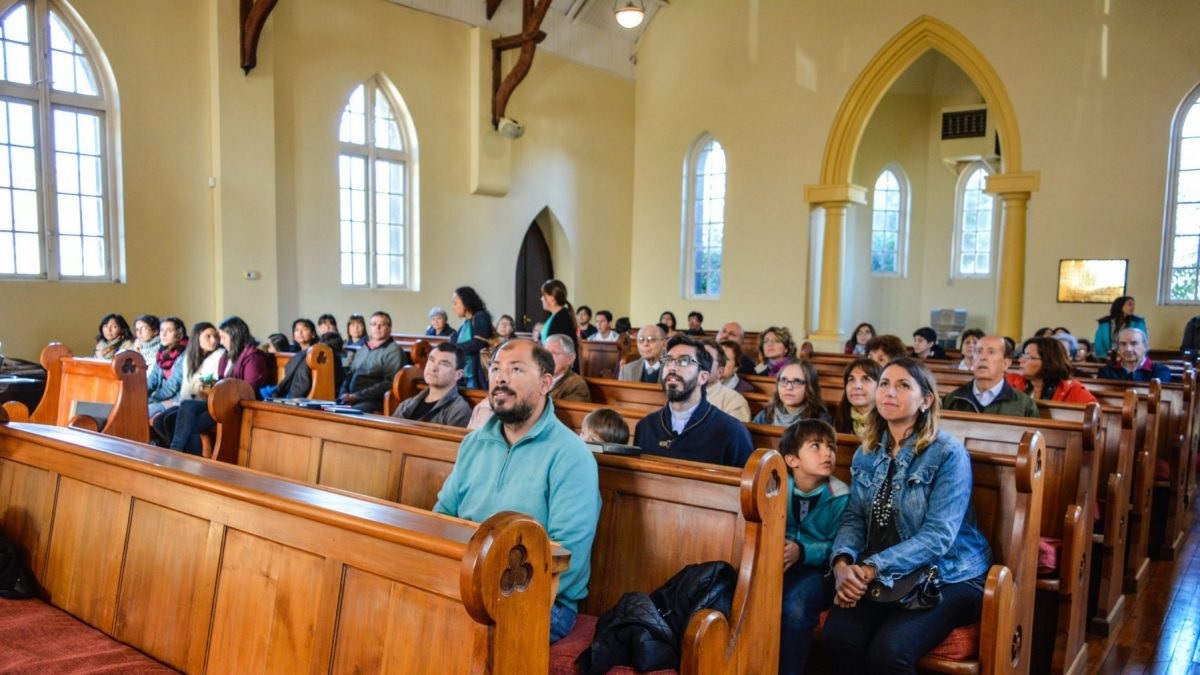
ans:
x=269 y=138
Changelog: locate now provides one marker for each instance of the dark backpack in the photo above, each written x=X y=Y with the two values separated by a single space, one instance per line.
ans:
x=16 y=581
x=646 y=632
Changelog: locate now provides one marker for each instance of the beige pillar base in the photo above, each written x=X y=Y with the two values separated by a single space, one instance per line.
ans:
x=827 y=342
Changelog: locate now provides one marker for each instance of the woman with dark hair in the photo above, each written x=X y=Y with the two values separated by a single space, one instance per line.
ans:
x=857 y=344
x=304 y=335
x=1046 y=373
x=562 y=315
x=667 y=319
x=112 y=336
x=797 y=396
x=505 y=327
x=776 y=348
x=146 y=340
x=859 y=381
x=966 y=344
x=1120 y=316
x=356 y=330
x=473 y=336
x=160 y=385
x=194 y=372
x=729 y=374
x=276 y=343
x=242 y=360
x=883 y=348
x=909 y=518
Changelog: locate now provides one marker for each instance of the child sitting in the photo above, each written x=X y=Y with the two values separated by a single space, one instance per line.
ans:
x=605 y=425
x=815 y=503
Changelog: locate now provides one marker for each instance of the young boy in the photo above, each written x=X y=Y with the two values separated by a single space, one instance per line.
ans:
x=815 y=503
x=604 y=425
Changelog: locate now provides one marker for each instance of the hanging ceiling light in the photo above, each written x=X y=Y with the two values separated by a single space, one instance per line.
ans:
x=629 y=13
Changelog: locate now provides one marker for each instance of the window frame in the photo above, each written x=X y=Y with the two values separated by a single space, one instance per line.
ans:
x=689 y=223
x=375 y=86
x=904 y=220
x=960 y=190
x=45 y=100
x=1189 y=105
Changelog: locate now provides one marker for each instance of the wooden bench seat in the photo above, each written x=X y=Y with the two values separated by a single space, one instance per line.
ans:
x=71 y=380
x=212 y=568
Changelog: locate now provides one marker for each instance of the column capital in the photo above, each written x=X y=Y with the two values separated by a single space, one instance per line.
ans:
x=844 y=193
x=1005 y=184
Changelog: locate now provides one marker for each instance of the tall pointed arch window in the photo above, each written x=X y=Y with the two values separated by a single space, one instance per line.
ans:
x=377 y=184
x=1181 y=273
x=889 y=223
x=703 y=218
x=58 y=173
x=974 y=224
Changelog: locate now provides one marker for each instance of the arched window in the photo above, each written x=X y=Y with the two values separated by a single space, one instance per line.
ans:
x=703 y=218
x=889 y=223
x=58 y=173
x=974 y=224
x=1181 y=273
x=377 y=182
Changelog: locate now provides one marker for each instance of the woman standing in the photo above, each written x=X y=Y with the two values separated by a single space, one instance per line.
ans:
x=473 y=336
x=562 y=315
x=112 y=336
x=797 y=396
x=909 y=517
x=859 y=382
x=1120 y=316
x=776 y=349
x=1046 y=373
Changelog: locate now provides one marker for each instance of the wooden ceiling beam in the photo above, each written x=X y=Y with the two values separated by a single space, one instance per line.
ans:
x=253 y=16
x=492 y=6
x=532 y=15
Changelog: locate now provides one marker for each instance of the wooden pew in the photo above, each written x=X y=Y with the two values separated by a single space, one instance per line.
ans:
x=417 y=345
x=120 y=383
x=599 y=359
x=212 y=568
x=320 y=362
x=733 y=514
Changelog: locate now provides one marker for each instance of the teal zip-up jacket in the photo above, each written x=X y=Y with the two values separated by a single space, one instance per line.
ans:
x=549 y=474
x=816 y=532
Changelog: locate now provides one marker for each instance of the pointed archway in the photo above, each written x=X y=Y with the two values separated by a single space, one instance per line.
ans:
x=837 y=192
x=534 y=266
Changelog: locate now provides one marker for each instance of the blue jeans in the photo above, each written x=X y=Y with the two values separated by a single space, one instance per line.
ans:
x=875 y=638
x=562 y=620
x=193 y=419
x=806 y=593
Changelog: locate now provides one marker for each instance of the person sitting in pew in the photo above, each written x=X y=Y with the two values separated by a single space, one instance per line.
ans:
x=160 y=386
x=604 y=331
x=967 y=343
x=776 y=349
x=439 y=323
x=689 y=427
x=146 y=340
x=797 y=396
x=730 y=372
x=909 y=515
x=604 y=425
x=374 y=367
x=304 y=335
x=989 y=392
x=112 y=336
x=297 y=378
x=814 y=510
x=695 y=324
x=440 y=402
x=733 y=331
x=725 y=399
x=196 y=371
x=1046 y=373
x=327 y=323
x=276 y=343
x=650 y=341
x=568 y=385
x=583 y=318
x=859 y=381
x=857 y=342
x=1132 y=362
x=884 y=348
x=525 y=444
x=925 y=344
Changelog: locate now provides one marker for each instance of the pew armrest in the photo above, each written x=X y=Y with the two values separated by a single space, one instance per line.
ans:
x=16 y=411
x=1076 y=543
x=1001 y=631
x=1115 y=515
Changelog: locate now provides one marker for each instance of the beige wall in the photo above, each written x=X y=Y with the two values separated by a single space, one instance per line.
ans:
x=771 y=76
x=269 y=139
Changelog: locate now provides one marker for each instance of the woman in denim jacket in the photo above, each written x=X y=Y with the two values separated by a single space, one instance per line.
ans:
x=910 y=507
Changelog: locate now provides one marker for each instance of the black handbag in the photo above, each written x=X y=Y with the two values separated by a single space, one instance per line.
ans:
x=916 y=590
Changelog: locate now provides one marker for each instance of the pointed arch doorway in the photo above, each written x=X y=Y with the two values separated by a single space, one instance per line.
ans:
x=534 y=267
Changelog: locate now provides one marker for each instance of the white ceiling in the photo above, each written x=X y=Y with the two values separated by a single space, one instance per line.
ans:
x=583 y=31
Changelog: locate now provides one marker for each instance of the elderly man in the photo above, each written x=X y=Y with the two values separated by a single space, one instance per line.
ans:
x=524 y=445
x=733 y=331
x=440 y=403
x=726 y=400
x=1132 y=363
x=650 y=341
x=568 y=385
x=689 y=427
x=989 y=392
x=374 y=367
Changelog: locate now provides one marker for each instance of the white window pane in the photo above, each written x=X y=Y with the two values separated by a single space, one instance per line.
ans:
x=383 y=178
x=67 y=172
x=396 y=210
x=16 y=63
x=5 y=178
x=360 y=269
x=70 y=257
x=381 y=209
x=358 y=207
x=68 y=215
x=89 y=134
x=344 y=205
x=7 y=254
x=1189 y=186
x=16 y=24
x=25 y=211
x=1191 y=123
x=352 y=128
x=93 y=257
x=92 y=212
x=62 y=71
x=358 y=238
x=1185 y=252
x=1187 y=219
x=24 y=168
x=66 y=137
x=1189 y=153
x=358 y=173
x=6 y=213
x=89 y=176
x=20 y=125
x=60 y=35
x=29 y=254
x=397 y=240
x=85 y=83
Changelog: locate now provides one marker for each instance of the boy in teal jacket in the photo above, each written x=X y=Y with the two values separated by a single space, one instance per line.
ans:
x=816 y=500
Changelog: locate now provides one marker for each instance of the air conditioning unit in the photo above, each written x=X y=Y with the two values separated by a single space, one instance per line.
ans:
x=968 y=135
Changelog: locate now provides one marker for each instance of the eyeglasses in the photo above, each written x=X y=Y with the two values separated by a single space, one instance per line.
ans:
x=681 y=361
x=789 y=383
x=648 y=340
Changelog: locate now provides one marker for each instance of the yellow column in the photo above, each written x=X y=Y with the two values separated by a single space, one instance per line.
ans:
x=835 y=200
x=1013 y=191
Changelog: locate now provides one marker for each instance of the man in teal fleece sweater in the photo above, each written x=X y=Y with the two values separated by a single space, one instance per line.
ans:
x=523 y=459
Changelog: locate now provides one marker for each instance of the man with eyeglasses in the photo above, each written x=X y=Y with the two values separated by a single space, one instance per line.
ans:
x=689 y=427
x=989 y=392
x=650 y=342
